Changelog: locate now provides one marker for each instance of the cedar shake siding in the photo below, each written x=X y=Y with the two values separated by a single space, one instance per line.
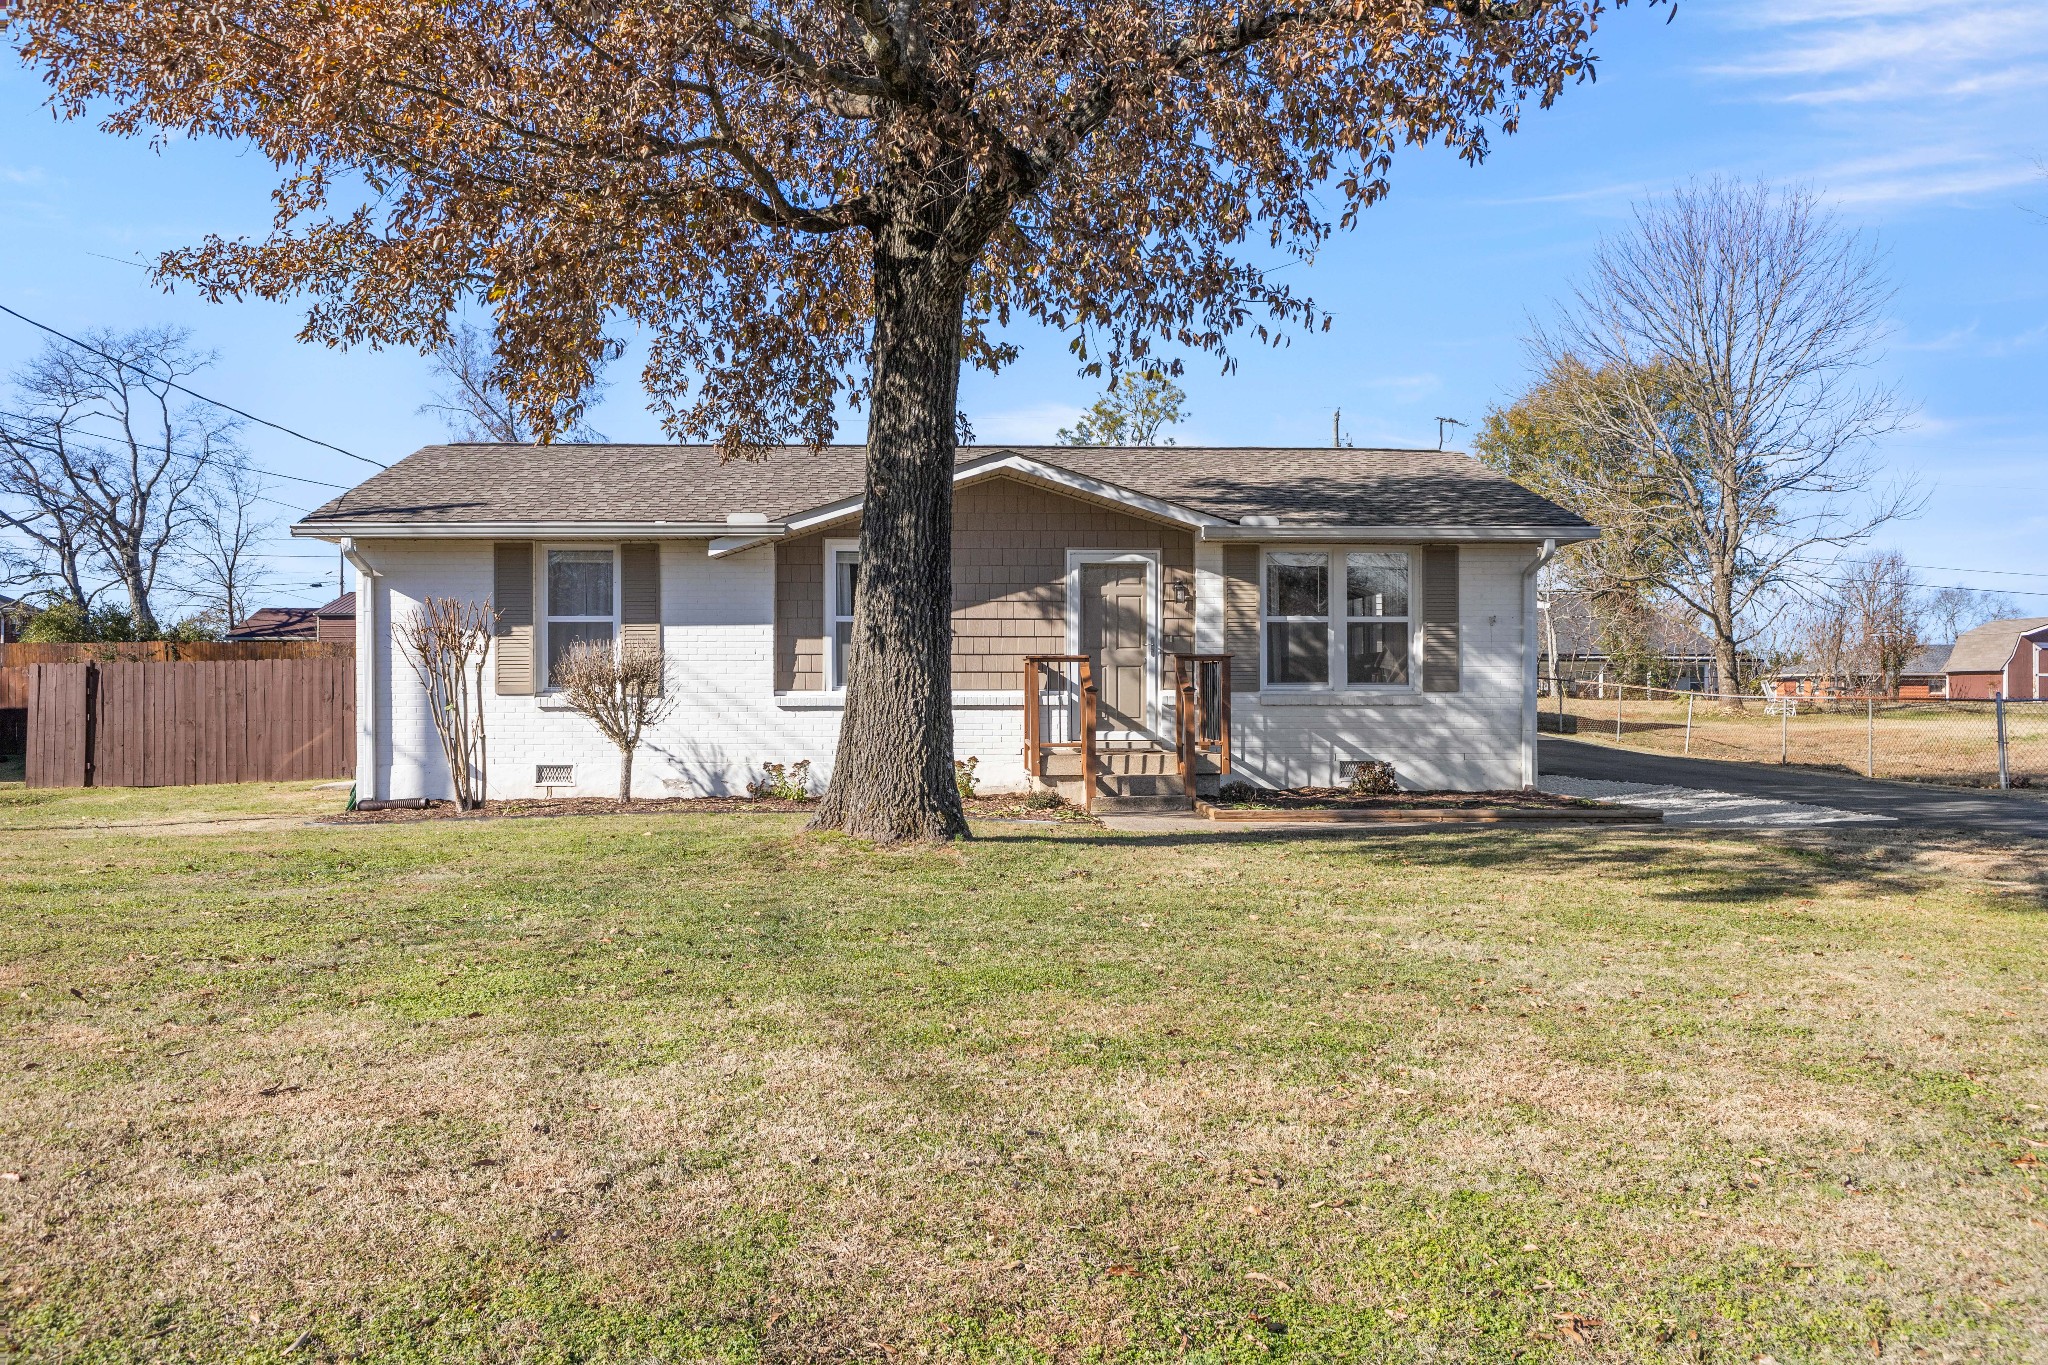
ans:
x=800 y=614
x=1010 y=543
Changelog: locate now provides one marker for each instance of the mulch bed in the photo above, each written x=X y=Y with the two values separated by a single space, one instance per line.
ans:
x=1000 y=807
x=1341 y=798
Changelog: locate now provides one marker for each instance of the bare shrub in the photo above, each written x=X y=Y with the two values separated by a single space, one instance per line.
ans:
x=1373 y=777
x=447 y=642
x=621 y=691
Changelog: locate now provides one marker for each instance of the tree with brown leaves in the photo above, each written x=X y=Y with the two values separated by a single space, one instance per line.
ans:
x=801 y=204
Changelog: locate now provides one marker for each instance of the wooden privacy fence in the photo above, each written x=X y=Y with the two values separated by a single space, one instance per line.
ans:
x=176 y=724
x=168 y=651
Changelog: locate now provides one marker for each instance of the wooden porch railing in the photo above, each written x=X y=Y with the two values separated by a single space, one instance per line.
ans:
x=1070 y=723
x=1201 y=689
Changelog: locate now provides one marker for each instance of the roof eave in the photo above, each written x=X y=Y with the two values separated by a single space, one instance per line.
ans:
x=1398 y=531
x=365 y=529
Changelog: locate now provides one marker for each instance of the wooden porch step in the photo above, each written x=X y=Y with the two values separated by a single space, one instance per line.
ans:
x=1149 y=760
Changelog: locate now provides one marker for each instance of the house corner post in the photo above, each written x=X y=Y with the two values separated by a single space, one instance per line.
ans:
x=1531 y=666
x=368 y=773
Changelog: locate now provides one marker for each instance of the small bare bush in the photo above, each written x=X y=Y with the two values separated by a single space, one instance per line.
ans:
x=1373 y=777
x=621 y=691
x=447 y=642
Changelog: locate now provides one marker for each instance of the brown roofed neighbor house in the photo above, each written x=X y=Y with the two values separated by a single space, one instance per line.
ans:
x=334 y=623
x=275 y=623
x=14 y=615
x=678 y=486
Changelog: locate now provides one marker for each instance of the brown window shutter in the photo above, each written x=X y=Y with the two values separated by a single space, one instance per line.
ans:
x=1241 y=615
x=1440 y=618
x=512 y=598
x=640 y=594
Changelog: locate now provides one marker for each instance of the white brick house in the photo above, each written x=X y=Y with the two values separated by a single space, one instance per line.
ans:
x=1372 y=604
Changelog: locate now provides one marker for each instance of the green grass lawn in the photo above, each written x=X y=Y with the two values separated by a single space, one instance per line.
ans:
x=705 y=1088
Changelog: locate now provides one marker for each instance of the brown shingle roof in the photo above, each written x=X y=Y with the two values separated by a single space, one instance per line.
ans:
x=456 y=484
x=341 y=608
x=1986 y=649
x=276 y=623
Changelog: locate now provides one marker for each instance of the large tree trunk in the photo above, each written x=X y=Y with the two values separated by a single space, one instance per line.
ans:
x=893 y=777
x=625 y=776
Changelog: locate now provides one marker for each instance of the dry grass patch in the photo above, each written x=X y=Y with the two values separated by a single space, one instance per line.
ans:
x=691 y=1088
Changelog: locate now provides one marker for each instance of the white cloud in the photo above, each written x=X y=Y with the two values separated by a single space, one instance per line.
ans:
x=1880 y=51
x=1916 y=174
x=1950 y=89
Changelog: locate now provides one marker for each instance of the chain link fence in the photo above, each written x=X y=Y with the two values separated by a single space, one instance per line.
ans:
x=1955 y=743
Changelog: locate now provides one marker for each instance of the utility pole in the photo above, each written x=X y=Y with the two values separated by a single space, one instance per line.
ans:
x=1337 y=429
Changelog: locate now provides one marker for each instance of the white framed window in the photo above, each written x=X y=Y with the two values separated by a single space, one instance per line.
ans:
x=1297 y=606
x=580 y=587
x=1377 y=625
x=1312 y=637
x=842 y=580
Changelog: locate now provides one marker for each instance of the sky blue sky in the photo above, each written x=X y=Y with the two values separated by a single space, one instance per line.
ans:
x=1925 y=125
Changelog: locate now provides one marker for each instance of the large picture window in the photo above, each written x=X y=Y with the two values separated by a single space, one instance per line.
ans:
x=582 y=602
x=1311 y=641
x=842 y=578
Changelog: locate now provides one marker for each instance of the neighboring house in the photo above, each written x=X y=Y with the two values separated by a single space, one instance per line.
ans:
x=1687 y=654
x=1372 y=605
x=1924 y=677
x=14 y=614
x=275 y=623
x=334 y=623
x=2001 y=657
x=1921 y=679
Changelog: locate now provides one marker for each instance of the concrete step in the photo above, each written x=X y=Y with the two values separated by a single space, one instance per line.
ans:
x=1142 y=784
x=1141 y=805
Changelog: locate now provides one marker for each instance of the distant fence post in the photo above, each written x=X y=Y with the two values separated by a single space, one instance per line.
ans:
x=1688 y=723
x=1785 y=705
x=2004 y=764
x=1870 y=736
x=1619 y=688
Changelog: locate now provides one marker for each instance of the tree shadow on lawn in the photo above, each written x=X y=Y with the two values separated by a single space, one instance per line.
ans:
x=1671 y=864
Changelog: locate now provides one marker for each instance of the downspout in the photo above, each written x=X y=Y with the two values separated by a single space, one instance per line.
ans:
x=1530 y=656
x=368 y=788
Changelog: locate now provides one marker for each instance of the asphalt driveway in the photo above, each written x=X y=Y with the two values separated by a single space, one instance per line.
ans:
x=1988 y=812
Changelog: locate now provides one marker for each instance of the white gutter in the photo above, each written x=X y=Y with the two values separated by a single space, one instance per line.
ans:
x=1549 y=535
x=528 y=530
x=1530 y=655
x=367 y=786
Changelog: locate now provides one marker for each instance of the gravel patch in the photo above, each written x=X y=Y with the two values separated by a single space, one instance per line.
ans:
x=1696 y=806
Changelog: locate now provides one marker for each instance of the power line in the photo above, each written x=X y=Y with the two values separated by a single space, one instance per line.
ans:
x=202 y=459
x=225 y=407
